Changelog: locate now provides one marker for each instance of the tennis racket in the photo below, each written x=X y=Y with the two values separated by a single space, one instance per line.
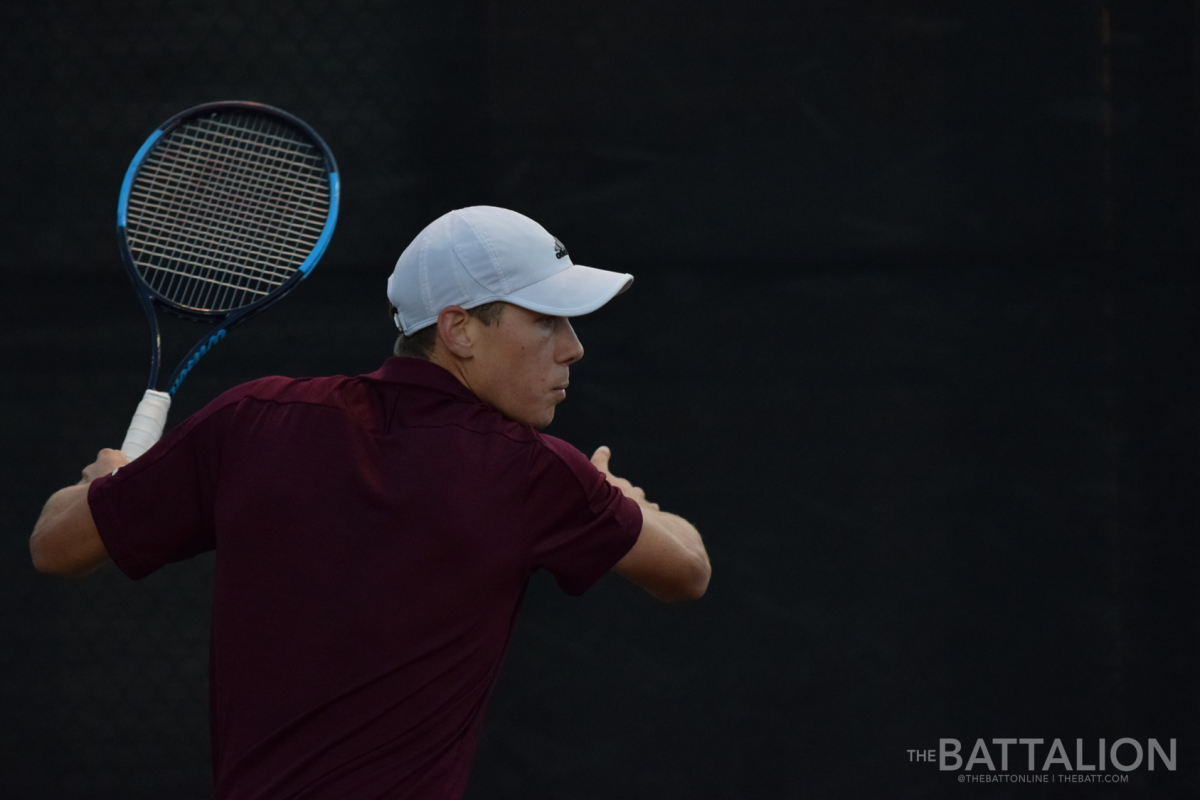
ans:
x=224 y=210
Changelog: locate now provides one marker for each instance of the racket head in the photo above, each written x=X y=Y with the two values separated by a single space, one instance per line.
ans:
x=225 y=208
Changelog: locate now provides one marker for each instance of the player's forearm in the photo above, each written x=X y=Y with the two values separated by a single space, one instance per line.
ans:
x=65 y=540
x=668 y=559
x=681 y=530
x=693 y=569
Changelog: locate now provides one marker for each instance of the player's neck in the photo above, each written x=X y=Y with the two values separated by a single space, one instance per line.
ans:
x=452 y=364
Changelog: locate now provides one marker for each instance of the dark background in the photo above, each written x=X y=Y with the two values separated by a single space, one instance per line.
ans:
x=912 y=342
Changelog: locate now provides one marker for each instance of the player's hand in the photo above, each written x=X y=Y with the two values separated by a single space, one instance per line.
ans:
x=600 y=459
x=106 y=461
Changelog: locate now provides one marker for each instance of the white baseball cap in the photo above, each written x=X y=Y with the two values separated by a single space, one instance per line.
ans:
x=481 y=254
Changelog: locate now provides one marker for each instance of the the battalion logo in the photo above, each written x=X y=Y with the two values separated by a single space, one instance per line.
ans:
x=560 y=250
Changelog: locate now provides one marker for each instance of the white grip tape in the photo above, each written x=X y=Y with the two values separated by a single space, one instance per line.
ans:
x=148 y=423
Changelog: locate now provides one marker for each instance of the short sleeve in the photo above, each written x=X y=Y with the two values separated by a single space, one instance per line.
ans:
x=580 y=523
x=159 y=508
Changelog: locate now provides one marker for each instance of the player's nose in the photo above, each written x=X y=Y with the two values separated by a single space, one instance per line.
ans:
x=570 y=348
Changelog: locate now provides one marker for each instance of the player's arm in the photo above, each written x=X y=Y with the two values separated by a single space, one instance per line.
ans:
x=668 y=560
x=65 y=540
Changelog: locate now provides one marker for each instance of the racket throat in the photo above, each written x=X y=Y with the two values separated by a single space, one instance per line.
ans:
x=202 y=347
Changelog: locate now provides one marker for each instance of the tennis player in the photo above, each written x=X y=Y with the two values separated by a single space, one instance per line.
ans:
x=374 y=535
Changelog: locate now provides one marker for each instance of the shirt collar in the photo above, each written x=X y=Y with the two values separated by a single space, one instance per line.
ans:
x=419 y=372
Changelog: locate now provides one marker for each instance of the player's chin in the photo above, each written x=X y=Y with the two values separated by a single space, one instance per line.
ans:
x=539 y=410
x=542 y=417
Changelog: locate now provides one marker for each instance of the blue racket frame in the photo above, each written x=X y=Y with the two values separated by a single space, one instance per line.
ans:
x=225 y=320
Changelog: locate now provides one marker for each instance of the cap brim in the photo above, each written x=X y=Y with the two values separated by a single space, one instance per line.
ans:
x=574 y=291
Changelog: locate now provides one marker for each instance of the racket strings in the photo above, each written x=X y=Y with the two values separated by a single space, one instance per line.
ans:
x=241 y=258
x=225 y=208
x=241 y=238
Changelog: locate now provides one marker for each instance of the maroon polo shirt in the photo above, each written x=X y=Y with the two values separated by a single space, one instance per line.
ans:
x=373 y=539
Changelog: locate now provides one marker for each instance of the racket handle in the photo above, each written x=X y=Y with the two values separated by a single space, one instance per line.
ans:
x=148 y=423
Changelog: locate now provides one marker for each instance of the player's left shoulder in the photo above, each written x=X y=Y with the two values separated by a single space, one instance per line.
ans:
x=559 y=455
x=562 y=450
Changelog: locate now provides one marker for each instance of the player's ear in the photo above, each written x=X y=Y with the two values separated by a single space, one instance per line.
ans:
x=455 y=331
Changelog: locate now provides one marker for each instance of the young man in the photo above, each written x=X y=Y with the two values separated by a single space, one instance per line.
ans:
x=374 y=535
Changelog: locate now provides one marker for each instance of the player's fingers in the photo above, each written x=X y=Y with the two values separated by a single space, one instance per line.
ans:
x=111 y=458
x=106 y=461
x=637 y=492
x=600 y=458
